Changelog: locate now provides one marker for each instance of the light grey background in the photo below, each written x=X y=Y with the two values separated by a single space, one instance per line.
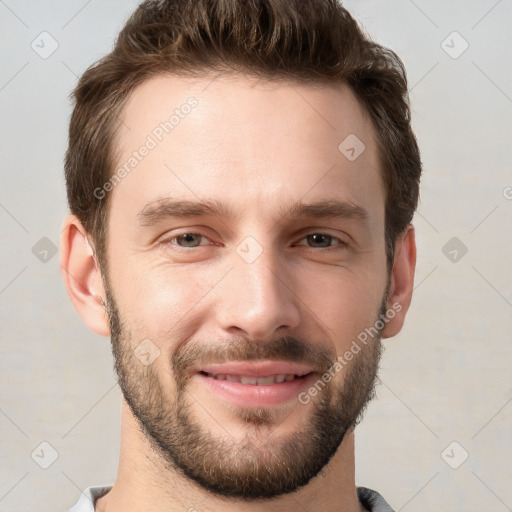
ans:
x=445 y=378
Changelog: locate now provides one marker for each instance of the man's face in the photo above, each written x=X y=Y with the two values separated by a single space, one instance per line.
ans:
x=210 y=311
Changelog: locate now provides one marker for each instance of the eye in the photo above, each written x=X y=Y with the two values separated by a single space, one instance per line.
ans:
x=189 y=240
x=324 y=240
x=186 y=241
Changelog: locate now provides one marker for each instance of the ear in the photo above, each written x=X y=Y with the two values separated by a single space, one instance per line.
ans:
x=82 y=276
x=402 y=281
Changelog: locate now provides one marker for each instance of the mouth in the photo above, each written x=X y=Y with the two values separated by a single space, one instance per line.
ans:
x=255 y=381
x=256 y=384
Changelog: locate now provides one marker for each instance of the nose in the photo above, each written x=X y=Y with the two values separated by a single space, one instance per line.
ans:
x=258 y=298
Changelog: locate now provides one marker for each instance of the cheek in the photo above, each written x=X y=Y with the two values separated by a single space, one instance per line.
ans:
x=159 y=302
x=345 y=302
x=167 y=304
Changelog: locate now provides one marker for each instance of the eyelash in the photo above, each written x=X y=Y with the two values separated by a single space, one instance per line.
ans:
x=342 y=244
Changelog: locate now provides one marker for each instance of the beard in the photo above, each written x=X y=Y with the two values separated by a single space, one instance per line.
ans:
x=262 y=464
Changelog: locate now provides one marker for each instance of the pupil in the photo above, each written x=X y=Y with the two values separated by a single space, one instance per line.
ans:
x=188 y=238
x=316 y=238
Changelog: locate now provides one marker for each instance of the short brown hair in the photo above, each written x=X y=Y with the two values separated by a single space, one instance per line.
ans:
x=308 y=41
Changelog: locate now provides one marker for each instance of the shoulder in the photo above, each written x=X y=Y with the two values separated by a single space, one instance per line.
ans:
x=89 y=497
x=372 y=500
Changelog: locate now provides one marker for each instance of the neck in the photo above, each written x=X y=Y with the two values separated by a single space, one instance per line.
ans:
x=144 y=483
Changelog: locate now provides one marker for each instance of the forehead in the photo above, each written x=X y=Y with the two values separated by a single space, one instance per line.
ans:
x=246 y=141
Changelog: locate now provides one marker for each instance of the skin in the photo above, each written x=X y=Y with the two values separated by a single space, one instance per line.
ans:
x=258 y=146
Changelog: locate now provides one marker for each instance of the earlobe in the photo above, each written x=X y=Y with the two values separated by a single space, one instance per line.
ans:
x=402 y=282
x=82 y=276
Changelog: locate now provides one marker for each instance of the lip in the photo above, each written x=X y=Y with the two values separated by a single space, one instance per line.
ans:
x=251 y=395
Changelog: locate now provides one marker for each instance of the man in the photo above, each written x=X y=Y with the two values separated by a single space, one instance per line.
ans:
x=241 y=178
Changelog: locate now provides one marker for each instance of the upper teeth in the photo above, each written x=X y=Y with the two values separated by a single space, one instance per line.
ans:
x=255 y=381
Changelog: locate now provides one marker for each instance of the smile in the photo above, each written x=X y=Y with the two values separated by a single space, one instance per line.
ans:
x=255 y=381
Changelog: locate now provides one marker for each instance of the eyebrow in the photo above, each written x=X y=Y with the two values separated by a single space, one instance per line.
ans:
x=168 y=208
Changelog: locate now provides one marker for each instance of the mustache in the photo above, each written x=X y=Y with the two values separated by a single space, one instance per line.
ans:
x=287 y=348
